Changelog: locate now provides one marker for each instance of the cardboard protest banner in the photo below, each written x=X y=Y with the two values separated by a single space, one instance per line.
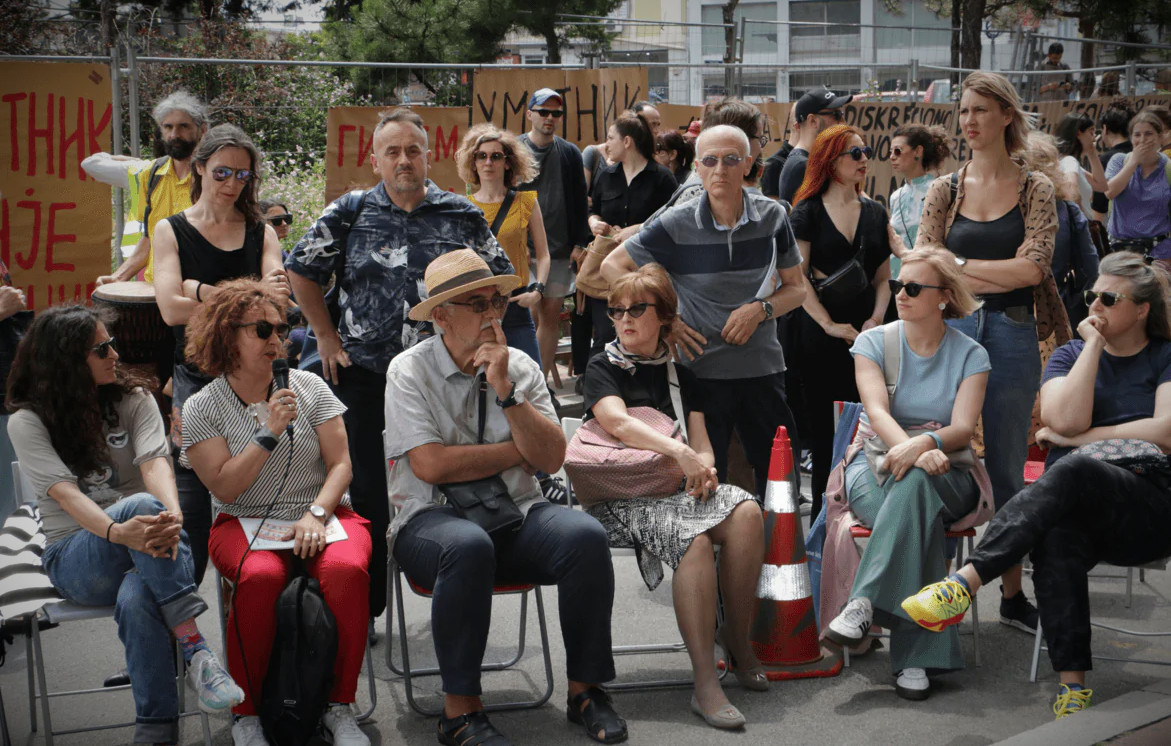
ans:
x=350 y=139
x=593 y=98
x=878 y=122
x=54 y=219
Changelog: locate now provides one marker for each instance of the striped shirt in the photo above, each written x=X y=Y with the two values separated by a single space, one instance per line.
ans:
x=216 y=412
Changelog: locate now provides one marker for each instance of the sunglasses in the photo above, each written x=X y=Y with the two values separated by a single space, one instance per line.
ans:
x=636 y=311
x=730 y=161
x=481 y=304
x=763 y=140
x=897 y=151
x=102 y=349
x=494 y=157
x=555 y=113
x=913 y=288
x=264 y=329
x=1108 y=297
x=856 y=153
x=285 y=219
x=837 y=114
x=223 y=173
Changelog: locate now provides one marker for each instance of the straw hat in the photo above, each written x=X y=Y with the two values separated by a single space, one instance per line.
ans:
x=456 y=273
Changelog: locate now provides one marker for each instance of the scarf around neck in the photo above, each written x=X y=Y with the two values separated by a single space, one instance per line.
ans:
x=627 y=360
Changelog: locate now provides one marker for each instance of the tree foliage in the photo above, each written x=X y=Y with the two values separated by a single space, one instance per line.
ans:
x=547 y=21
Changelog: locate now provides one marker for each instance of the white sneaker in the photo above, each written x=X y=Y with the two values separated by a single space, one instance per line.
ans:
x=341 y=726
x=247 y=731
x=913 y=684
x=850 y=626
x=208 y=679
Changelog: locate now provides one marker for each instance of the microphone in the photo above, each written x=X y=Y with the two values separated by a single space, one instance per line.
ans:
x=280 y=379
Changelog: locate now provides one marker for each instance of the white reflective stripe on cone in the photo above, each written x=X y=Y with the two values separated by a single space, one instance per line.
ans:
x=784 y=583
x=779 y=497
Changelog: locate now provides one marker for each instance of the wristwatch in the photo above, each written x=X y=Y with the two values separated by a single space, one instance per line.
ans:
x=961 y=261
x=768 y=308
x=536 y=287
x=514 y=397
x=317 y=512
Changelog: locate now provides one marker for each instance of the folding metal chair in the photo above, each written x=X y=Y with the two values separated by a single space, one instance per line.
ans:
x=395 y=596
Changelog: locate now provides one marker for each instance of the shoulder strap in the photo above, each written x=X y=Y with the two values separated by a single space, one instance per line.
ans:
x=677 y=399
x=1074 y=242
x=502 y=213
x=955 y=187
x=482 y=406
x=347 y=224
x=892 y=355
x=152 y=181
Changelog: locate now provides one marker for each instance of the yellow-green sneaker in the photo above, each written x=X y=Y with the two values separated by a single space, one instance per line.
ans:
x=938 y=605
x=1070 y=701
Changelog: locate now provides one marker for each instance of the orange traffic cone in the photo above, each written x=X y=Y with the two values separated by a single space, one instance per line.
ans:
x=784 y=633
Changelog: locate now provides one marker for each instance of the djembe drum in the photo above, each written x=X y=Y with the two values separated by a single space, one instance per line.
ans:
x=145 y=342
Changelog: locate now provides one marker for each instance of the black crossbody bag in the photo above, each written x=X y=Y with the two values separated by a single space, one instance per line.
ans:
x=485 y=502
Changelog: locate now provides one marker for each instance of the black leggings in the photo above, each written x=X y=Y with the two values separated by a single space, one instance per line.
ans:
x=1080 y=512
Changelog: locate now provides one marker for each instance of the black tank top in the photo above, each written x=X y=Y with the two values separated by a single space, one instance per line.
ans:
x=993 y=239
x=200 y=260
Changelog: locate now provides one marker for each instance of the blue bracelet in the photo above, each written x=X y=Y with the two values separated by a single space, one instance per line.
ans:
x=938 y=440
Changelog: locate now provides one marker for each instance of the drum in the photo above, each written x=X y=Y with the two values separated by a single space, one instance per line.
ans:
x=143 y=337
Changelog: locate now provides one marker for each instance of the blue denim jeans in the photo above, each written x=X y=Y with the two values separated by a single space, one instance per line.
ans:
x=520 y=331
x=150 y=596
x=1013 y=383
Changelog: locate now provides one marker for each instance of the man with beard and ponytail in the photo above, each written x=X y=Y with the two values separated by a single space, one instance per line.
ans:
x=378 y=242
x=158 y=188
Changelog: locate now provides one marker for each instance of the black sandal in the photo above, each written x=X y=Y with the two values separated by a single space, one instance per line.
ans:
x=601 y=722
x=472 y=729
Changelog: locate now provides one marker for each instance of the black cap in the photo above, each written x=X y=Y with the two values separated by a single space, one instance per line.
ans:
x=819 y=99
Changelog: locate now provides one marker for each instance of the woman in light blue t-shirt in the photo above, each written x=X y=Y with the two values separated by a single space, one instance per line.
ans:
x=940 y=385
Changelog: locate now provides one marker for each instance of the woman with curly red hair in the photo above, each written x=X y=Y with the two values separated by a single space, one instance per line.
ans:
x=845 y=239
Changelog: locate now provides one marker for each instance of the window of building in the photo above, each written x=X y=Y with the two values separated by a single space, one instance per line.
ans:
x=762 y=38
x=825 y=11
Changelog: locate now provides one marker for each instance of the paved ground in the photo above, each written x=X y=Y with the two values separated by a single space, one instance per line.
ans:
x=981 y=705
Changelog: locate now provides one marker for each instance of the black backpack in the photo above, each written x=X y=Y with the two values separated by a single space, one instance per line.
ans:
x=300 y=670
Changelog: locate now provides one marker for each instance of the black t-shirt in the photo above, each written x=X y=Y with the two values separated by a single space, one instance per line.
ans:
x=992 y=239
x=770 y=180
x=647 y=386
x=829 y=249
x=621 y=204
x=793 y=173
x=1099 y=203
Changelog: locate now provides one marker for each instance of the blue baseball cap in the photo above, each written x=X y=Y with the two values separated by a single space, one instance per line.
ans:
x=544 y=95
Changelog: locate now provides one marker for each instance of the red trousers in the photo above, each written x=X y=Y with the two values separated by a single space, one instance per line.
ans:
x=342 y=570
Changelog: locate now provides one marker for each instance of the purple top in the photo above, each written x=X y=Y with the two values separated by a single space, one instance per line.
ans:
x=1140 y=211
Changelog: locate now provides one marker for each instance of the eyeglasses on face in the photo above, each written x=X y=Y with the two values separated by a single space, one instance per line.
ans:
x=102 y=349
x=1108 y=297
x=856 y=153
x=635 y=311
x=480 y=304
x=494 y=157
x=285 y=219
x=913 y=288
x=897 y=151
x=763 y=140
x=223 y=173
x=731 y=160
x=264 y=329
x=555 y=113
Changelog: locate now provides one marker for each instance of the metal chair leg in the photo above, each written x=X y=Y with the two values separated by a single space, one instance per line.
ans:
x=1036 y=654
x=40 y=665
x=370 y=677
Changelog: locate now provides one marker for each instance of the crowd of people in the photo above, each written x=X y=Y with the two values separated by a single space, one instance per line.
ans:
x=713 y=289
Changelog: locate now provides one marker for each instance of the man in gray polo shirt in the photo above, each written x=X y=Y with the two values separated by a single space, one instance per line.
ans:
x=724 y=251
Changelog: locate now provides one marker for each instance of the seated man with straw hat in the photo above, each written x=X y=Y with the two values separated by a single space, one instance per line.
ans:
x=468 y=424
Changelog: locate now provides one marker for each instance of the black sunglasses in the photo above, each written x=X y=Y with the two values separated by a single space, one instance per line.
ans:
x=635 y=311
x=856 y=153
x=481 y=304
x=223 y=173
x=1108 y=297
x=285 y=219
x=731 y=160
x=837 y=114
x=482 y=156
x=264 y=329
x=896 y=151
x=555 y=113
x=102 y=349
x=913 y=288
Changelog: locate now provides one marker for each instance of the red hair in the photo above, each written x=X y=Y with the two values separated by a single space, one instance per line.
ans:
x=826 y=148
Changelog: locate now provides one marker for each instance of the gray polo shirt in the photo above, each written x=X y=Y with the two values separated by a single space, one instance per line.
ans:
x=716 y=270
x=430 y=400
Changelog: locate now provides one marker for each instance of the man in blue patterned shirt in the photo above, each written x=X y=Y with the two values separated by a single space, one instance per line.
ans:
x=377 y=245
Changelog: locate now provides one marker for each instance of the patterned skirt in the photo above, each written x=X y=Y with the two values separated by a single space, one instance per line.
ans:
x=661 y=530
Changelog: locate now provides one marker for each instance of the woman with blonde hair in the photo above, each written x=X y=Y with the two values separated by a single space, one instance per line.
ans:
x=999 y=218
x=911 y=494
x=494 y=161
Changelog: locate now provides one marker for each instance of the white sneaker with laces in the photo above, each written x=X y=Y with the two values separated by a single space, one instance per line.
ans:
x=850 y=626
x=913 y=684
x=341 y=726
x=247 y=731
x=208 y=679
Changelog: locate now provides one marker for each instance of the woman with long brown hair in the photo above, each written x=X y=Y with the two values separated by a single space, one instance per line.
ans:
x=845 y=242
